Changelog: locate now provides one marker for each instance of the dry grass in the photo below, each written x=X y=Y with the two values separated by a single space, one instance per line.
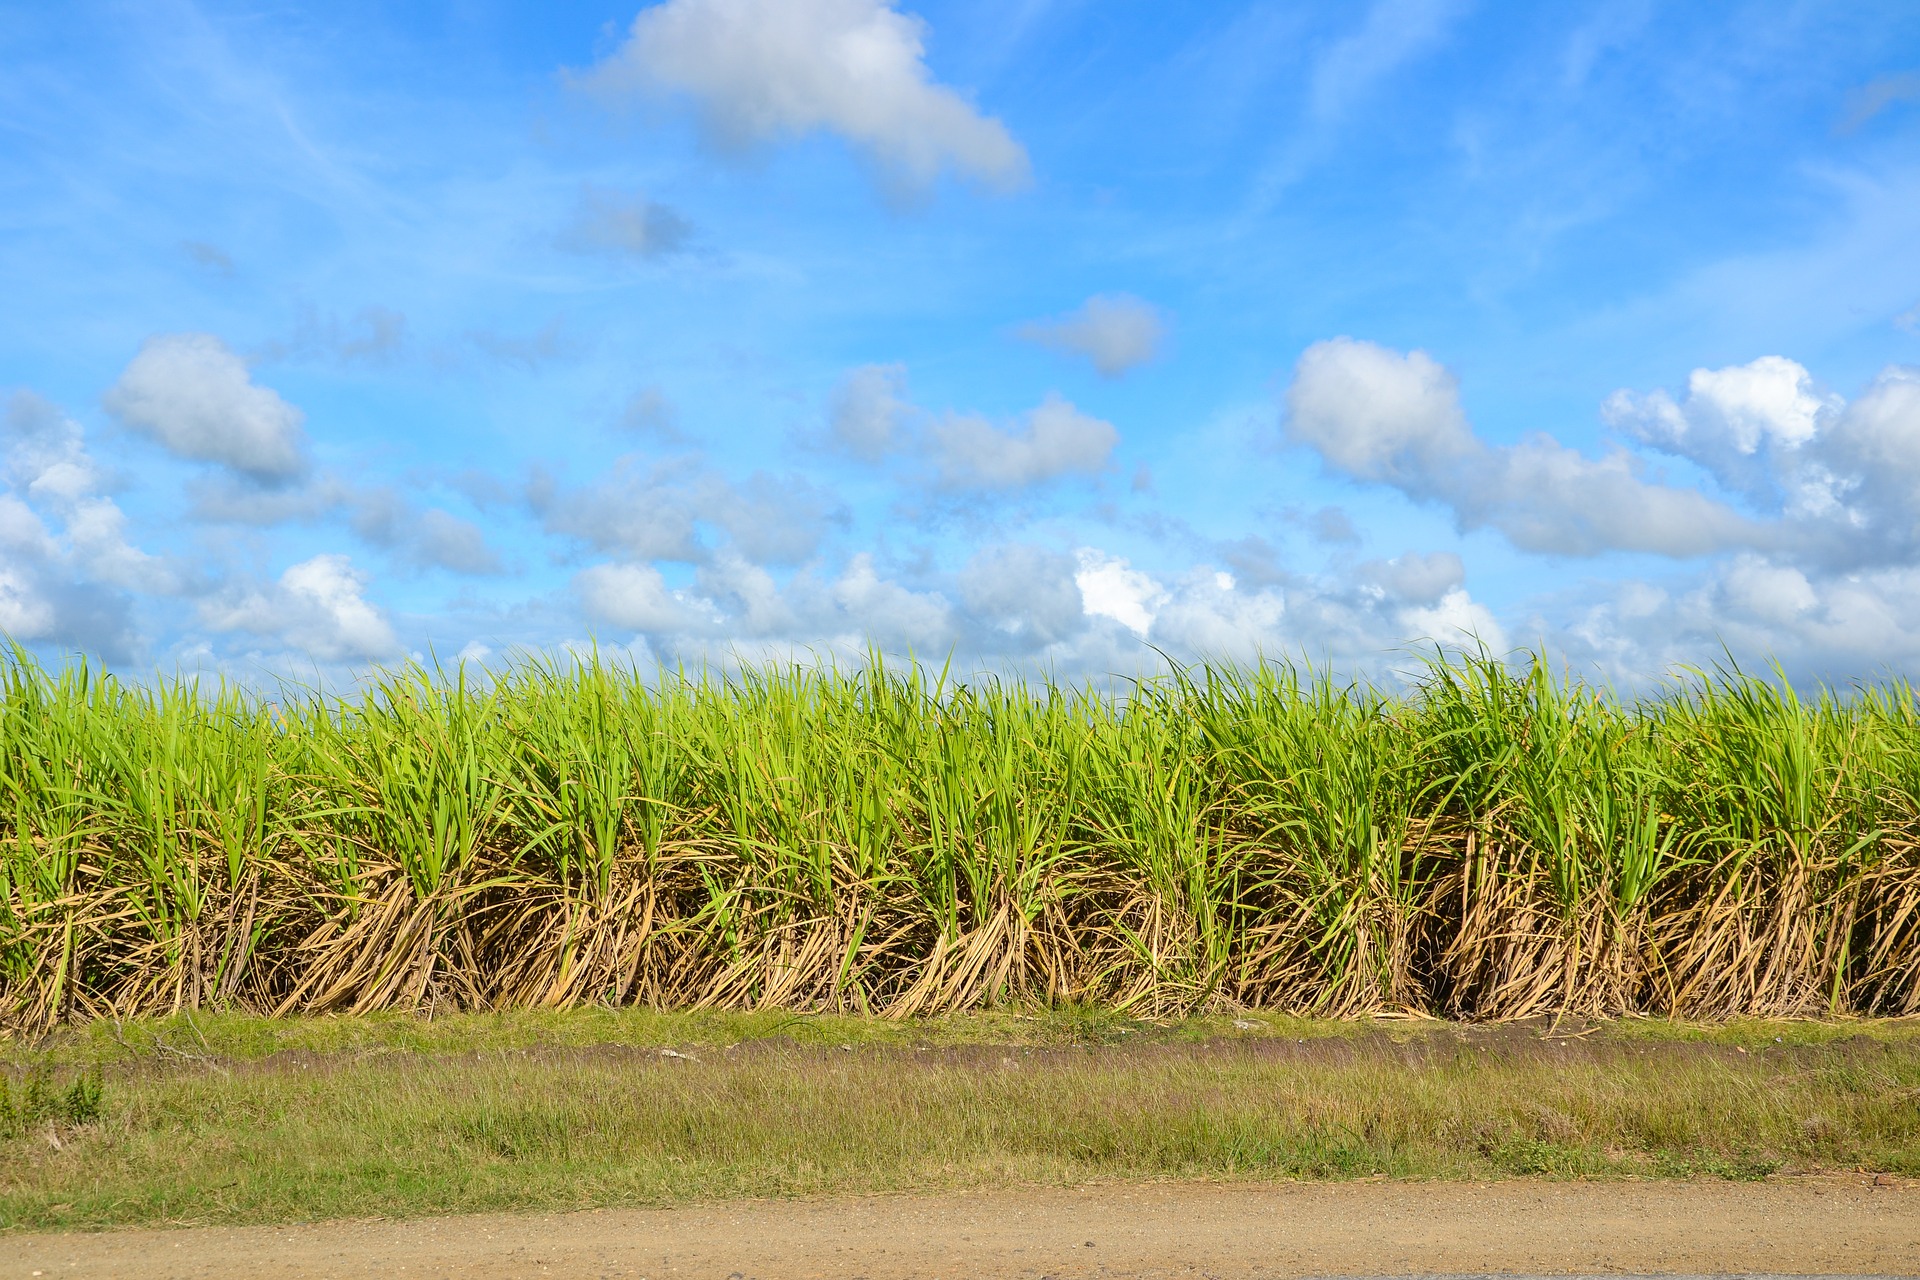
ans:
x=1492 y=845
x=223 y=1122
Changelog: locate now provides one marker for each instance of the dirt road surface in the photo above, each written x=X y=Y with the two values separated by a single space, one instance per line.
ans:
x=1834 y=1226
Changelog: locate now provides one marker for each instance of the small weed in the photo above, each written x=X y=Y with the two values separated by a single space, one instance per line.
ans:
x=37 y=1101
x=1742 y=1167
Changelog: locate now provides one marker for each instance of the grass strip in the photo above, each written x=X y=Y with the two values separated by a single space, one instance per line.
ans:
x=236 y=1124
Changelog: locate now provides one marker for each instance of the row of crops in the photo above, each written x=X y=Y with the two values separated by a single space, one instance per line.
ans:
x=1491 y=842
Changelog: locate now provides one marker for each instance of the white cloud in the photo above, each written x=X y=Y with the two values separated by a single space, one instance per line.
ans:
x=769 y=519
x=646 y=514
x=195 y=398
x=1385 y=417
x=870 y=411
x=1731 y=421
x=1454 y=621
x=634 y=597
x=1840 y=480
x=445 y=541
x=1756 y=589
x=1057 y=440
x=1209 y=618
x=1116 y=331
x=1869 y=461
x=747 y=598
x=25 y=613
x=1414 y=577
x=71 y=567
x=871 y=418
x=1839 y=627
x=1112 y=588
x=669 y=511
x=318 y=608
x=381 y=515
x=1027 y=595
x=1546 y=497
x=736 y=608
x=1375 y=414
x=624 y=223
x=21 y=530
x=874 y=608
x=761 y=70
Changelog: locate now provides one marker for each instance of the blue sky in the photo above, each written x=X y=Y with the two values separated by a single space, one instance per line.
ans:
x=1031 y=331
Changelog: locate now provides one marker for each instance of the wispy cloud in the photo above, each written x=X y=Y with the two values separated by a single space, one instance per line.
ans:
x=624 y=223
x=1877 y=96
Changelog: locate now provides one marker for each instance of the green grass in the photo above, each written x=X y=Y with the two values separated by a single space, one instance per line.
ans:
x=229 y=1119
x=1491 y=843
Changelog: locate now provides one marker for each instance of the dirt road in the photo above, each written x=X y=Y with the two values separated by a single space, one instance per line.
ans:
x=1841 y=1225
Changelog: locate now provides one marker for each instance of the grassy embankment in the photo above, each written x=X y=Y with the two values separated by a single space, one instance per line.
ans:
x=231 y=1118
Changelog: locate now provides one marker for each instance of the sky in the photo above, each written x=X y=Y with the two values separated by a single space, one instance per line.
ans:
x=1035 y=334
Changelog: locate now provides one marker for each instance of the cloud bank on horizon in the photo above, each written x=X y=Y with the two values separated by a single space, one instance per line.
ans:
x=722 y=329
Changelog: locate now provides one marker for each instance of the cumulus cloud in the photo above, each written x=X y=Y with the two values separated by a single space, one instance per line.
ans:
x=633 y=597
x=1116 y=331
x=1810 y=478
x=1815 y=551
x=433 y=538
x=1838 y=480
x=197 y=400
x=762 y=70
x=317 y=608
x=624 y=223
x=1208 y=617
x=1112 y=588
x=870 y=411
x=1390 y=418
x=1733 y=422
x=1548 y=498
x=669 y=512
x=1375 y=414
x=1207 y=613
x=871 y=418
x=736 y=608
x=70 y=566
x=647 y=514
x=1027 y=595
x=1415 y=577
x=1859 y=480
x=1839 y=627
x=871 y=607
x=446 y=541
x=381 y=515
x=25 y=612
x=1056 y=440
